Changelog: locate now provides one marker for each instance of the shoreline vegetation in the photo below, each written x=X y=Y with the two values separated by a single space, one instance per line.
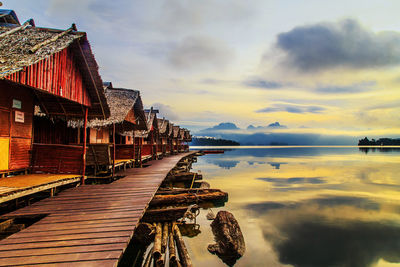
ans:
x=380 y=142
x=210 y=141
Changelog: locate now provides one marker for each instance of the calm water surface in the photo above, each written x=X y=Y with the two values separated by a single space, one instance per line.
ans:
x=307 y=206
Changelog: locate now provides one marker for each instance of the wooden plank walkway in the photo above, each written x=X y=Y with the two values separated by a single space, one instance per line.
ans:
x=86 y=226
x=27 y=184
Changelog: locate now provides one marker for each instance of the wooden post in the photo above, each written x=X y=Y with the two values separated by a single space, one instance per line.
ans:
x=84 y=147
x=113 y=170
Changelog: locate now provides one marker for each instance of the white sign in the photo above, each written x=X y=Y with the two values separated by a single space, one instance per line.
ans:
x=17 y=104
x=19 y=116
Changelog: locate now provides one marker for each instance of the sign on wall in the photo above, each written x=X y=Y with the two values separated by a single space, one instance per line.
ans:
x=17 y=104
x=19 y=116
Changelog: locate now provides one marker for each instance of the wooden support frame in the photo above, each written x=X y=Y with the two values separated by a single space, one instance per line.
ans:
x=84 y=146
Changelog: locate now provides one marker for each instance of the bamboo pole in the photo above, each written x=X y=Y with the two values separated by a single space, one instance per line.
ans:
x=148 y=258
x=16 y=29
x=84 y=147
x=113 y=167
x=182 y=250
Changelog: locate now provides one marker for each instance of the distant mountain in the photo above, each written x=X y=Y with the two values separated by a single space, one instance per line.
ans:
x=223 y=126
x=275 y=125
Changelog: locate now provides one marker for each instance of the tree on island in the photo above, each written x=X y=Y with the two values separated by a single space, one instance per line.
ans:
x=380 y=142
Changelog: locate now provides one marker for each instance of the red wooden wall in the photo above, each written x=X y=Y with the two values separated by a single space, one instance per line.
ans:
x=18 y=133
x=147 y=150
x=57 y=74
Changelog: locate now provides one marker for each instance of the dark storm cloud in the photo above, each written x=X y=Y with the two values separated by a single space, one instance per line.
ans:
x=165 y=111
x=200 y=52
x=293 y=180
x=291 y=108
x=344 y=44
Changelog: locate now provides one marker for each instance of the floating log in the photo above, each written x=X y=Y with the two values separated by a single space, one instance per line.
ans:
x=182 y=250
x=164 y=214
x=183 y=177
x=144 y=234
x=173 y=260
x=164 y=240
x=157 y=242
x=204 y=195
x=177 y=191
x=229 y=246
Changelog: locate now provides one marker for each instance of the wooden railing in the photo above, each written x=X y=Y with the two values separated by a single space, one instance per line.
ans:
x=53 y=158
x=125 y=151
x=147 y=150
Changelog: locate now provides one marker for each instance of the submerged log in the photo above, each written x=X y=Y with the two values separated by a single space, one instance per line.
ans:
x=203 y=195
x=229 y=246
x=182 y=250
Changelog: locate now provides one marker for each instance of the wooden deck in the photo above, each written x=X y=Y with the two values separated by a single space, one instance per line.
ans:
x=23 y=185
x=86 y=226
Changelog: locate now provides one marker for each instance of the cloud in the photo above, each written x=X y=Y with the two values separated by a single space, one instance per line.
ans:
x=197 y=52
x=165 y=111
x=264 y=84
x=343 y=44
x=354 y=88
x=291 y=108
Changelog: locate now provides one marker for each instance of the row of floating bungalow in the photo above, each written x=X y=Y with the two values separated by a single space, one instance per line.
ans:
x=59 y=122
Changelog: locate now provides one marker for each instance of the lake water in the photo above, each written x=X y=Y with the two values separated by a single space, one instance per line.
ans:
x=306 y=206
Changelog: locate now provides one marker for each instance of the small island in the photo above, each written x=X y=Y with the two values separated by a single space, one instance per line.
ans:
x=210 y=141
x=380 y=142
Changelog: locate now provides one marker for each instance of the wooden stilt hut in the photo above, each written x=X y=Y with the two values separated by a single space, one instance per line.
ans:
x=170 y=134
x=176 y=133
x=111 y=141
x=54 y=74
x=163 y=128
x=148 y=138
x=186 y=139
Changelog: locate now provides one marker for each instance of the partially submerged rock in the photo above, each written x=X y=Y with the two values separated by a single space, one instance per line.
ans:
x=229 y=246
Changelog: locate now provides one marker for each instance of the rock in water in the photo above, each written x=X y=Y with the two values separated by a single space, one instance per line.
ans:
x=229 y=246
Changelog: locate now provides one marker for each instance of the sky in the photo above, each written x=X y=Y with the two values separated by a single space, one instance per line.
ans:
x=328 y=67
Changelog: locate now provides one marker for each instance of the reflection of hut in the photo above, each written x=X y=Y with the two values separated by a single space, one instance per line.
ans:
x=148 y=138
x=127 y=115
x=163 y=128
x=56 y=71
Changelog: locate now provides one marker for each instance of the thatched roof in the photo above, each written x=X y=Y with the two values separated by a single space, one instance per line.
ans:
x=152 y=124
x=24 y=45
x=15 y=51
x=120 y=102
x=163 y=126
x=176 y=132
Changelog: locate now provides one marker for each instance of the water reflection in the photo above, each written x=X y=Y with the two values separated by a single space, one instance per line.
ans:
x=308 y=206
